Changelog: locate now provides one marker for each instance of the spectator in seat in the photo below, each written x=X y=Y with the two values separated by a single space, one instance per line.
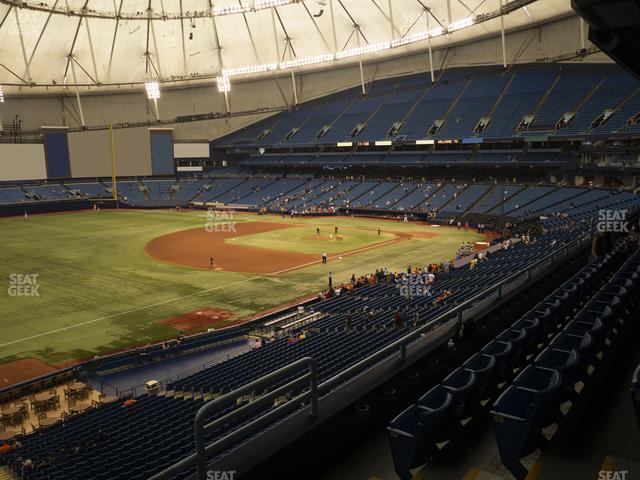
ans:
x=6 y=448
x=600 y=245
x=398 y=320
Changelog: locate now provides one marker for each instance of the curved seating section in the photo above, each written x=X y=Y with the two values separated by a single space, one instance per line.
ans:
x=166 y=421
x=460 y=98
x=440 y=414
x=446 y=200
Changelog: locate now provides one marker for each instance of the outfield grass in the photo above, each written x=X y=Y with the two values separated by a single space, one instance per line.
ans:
x=99 y=290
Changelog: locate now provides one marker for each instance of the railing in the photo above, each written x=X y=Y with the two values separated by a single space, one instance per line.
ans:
x=133 y=391
x=203 y=451
x=199 y=458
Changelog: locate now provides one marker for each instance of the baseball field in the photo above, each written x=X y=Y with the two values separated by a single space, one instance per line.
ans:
x=82 y=284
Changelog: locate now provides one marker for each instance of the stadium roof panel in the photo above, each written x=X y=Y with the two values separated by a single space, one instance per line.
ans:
x=115 y=42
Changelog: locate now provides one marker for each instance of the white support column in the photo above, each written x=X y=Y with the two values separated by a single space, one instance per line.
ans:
x=275 y=35
x=226 y=102
x=220 y=61
x=504 y=47
x=333 y=28
x=295 y=89
x=391 y=21
x=582 y=45
x=433 y=78
x=93 y=56
x=364 y=90
x=155 y=105
x=449 y=13
x=22 y=47
x=73 y=73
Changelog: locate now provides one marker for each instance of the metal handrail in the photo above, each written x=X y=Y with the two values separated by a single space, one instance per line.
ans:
x=199 y=458
x=202 y=428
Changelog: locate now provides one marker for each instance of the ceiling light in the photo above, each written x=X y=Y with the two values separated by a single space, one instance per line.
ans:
x=1 y=95
x=224 y=84
x=153 y=90
x=251 y=7
x=354 y=52
x=301 y=62
x=265 y=67
x=465 y=22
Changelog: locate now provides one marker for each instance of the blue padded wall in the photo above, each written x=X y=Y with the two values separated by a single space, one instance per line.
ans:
x=162 y=152
x=56 y=150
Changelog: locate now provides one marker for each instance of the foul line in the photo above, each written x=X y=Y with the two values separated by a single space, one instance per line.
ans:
x=195 y=294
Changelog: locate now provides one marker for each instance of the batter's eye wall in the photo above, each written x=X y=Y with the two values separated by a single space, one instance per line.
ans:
x=23 y=161
x=90 y=154
x=56 y=150
x=132 y=151
x=162 y=151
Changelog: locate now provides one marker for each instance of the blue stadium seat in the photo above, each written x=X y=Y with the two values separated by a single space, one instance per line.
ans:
x=635 y=393
x=484 y=367
x=414 y=433
x=461 y=383
x=520 y=413
x=503 y=352
x=567 y=363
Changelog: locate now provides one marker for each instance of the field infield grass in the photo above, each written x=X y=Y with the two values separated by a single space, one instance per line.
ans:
x=98 y=291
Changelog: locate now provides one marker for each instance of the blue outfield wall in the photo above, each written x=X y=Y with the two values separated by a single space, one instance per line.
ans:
x=162 y=152
x=56 y=150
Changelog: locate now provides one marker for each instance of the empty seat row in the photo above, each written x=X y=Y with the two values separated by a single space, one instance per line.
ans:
x=439 y=414
x=533 y=401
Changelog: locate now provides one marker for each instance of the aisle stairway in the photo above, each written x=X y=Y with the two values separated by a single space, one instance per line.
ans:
x=6 y=475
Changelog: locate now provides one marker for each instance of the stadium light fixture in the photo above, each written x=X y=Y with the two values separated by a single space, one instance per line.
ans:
x=265 y=67
x=153 y=90
x=301 y=62
x=250 y=7
x=465 y=22
x=355 y=52
x=1 y=95
x=224 y=84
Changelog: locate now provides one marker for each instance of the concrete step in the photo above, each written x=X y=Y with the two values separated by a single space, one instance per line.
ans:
x=616 y=468
x=7 y=475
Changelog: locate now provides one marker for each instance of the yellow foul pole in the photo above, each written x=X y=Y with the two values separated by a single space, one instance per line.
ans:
x=114 y=189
